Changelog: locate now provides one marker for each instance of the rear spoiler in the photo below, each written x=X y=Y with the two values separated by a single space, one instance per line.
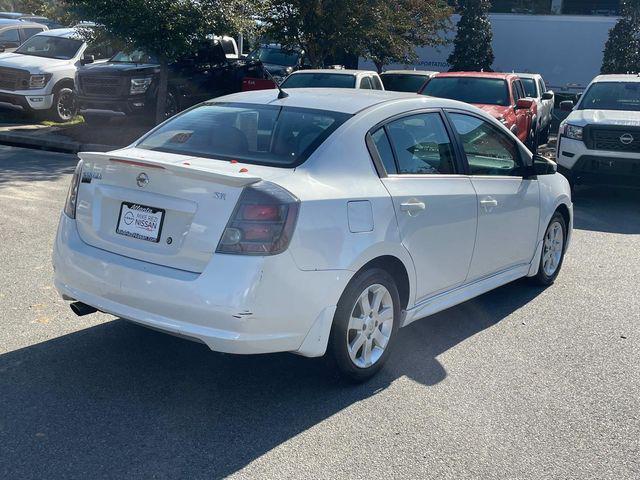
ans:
x=233 y=175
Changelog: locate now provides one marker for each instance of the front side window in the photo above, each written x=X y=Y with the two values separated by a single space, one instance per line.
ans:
x=530 y=87
x=484 y=91
x=319 y=80
x=421 y=145
x=51 y=47
x=365 y=83
x=489 y=151
x=30 y=32
x=612 y=96
x=259 y=134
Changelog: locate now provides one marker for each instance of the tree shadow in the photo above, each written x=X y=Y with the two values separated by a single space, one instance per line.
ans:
x=25 y=165
x=121 y=401
x=607 y=209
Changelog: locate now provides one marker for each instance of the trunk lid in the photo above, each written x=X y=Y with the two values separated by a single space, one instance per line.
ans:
x=185 y=201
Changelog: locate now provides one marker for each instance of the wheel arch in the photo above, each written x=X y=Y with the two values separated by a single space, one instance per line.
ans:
x=63 y=83
x=397 y=269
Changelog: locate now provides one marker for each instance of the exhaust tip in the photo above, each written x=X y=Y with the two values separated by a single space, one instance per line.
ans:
x=82 y=309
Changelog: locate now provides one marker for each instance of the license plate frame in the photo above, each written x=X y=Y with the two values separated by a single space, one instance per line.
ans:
x=139 y=209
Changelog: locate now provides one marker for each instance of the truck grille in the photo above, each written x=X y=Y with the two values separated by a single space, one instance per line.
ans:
x=14 y=79
x=102 y=86
x=614 y=140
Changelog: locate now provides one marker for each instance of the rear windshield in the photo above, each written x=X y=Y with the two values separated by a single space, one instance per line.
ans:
x=50 y=47
x=275 y=56
x=485 y=91
x=320 y=80
x=612 y=96
x=258 y=134
x=397 y=82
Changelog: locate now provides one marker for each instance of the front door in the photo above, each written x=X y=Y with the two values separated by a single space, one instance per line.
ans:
x=508 y=203
x=434 y=204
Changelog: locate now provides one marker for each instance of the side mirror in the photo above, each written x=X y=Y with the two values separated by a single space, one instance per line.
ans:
x=87 y=59
x=524 y=104
x=543 y=166
x=566 y=106
x=547 y=95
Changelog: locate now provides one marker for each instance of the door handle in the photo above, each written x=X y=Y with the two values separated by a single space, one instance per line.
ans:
x=413 y=207
x=489 y=202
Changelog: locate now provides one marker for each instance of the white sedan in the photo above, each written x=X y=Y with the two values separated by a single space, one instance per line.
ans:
x=316 y=223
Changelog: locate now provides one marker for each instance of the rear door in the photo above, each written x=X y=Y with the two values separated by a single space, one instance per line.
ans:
x=508 y=203
x=435 y=205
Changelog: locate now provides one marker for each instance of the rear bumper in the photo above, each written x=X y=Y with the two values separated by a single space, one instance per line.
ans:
x=239 y=304
x=596 y=166
x=120 y=107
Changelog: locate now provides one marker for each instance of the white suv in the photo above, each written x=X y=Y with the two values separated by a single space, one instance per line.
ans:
x=39 y=75
x=536 y=88
x=319 y=222
x=599 y=142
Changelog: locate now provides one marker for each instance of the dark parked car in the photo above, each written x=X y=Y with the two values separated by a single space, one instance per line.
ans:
x=278 y=61
x=127 y=84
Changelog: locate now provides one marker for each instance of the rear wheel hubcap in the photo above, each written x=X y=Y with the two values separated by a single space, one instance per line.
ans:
x=553 y=247
x=370 y=326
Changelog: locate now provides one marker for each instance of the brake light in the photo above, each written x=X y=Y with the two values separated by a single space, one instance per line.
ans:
x=72 y=195
x=262 y=222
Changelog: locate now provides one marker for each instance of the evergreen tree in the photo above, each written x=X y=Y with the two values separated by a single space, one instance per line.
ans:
x=472 y=46
x=622 y=50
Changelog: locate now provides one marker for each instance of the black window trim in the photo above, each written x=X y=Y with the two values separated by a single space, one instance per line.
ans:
x=459 y=165
x=524 y=159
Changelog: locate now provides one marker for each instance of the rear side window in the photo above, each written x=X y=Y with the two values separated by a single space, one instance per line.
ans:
x=377 y=84
x=385 y=152
x=421 y=145
x=30 y=32
x=9 y=36
x=365 y=83
x=259 y=134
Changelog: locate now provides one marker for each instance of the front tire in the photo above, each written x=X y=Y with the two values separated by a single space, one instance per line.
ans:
x=365 y=325
x=64 y=107
x=553 y=249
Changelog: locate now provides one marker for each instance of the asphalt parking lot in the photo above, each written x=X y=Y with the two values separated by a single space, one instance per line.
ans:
x=521 y=383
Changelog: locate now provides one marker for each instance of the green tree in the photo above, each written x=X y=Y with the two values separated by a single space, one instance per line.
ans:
x=472 y=45
x=170 y=29
x=622 y=50
x=383 y=31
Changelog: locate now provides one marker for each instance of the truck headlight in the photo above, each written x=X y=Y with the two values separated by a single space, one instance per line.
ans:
x=571 y=131
x=39 y=81
x=140 y=85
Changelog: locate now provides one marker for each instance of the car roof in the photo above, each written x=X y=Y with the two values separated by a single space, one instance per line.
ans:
x=417 y=73
x=503 y=76
x=339 y=71
x=10 y=21
x=528 y=75
x=617 y=78
x=343 y=100
x=63 y=33
x=11 y=15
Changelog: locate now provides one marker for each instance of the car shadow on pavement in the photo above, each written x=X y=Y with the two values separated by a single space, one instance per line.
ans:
x=38 y=165
x=607 y=209
x=121 y=401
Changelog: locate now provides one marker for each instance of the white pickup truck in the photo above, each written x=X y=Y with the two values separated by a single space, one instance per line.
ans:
x=536 y=88
x=39 y=75
x=599 y=142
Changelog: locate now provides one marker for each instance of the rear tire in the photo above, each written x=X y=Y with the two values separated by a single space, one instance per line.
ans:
x=365 y=325
x=553 y=249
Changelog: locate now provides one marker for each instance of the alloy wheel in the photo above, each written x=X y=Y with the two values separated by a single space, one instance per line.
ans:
x=553 y=248
x=370 y=326
x=66 y=106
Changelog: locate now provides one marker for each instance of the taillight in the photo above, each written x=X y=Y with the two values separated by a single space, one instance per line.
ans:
x=262 y=222
x=72 y=195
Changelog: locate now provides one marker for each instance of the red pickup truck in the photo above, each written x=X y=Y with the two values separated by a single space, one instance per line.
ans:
x=502 y=95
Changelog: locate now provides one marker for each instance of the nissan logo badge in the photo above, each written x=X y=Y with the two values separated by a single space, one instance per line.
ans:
x=626 y=139
x=142 y=179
